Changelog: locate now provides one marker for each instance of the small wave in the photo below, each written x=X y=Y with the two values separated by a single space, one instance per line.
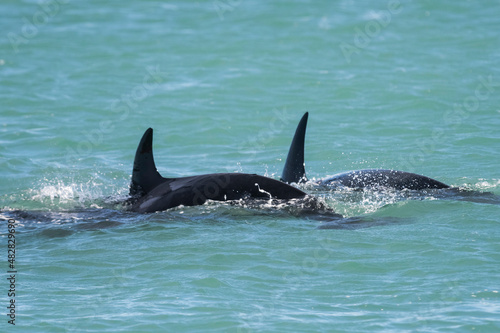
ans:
x=484 y=184
x=61 y=192
x=54 y=224
x=66 y=194
x=354 y=202
x=61 y=195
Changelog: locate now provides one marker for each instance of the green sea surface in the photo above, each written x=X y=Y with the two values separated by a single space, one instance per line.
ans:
x=405 y=85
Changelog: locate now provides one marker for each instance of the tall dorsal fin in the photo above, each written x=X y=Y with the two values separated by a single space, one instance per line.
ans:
x=294 y=170
x=145 y=177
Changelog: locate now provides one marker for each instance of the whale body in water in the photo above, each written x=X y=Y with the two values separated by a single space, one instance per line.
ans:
x=294 y=171
x=150 y=192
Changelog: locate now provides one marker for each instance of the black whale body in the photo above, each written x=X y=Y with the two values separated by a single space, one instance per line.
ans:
x=382 y=178
x=150 y=192
x=196 y=190
x=409 y=184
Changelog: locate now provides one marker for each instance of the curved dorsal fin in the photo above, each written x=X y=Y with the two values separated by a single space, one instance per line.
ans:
x=145 y=177
x=294 y=170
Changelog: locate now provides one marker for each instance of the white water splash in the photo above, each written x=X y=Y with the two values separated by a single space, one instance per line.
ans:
x=484 y=184
x=69 y=194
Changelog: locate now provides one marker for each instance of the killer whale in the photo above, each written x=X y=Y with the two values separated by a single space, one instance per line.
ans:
x=382 y=178
x=150 y=192
x=294 y=171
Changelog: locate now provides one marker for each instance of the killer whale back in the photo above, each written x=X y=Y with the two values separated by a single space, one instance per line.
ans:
x=150 y=192
x=145 y=177
x=294 y=170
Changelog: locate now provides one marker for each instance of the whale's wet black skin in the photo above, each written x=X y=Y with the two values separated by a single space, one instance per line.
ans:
x=382 y=178
x=294 y=171
x=150 y=192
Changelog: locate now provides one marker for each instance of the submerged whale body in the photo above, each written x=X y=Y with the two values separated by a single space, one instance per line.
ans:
x=150 y=192
x=382 y=178
x=294 y=171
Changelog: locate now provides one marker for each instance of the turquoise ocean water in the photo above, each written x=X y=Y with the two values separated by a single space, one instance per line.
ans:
x=406 y=85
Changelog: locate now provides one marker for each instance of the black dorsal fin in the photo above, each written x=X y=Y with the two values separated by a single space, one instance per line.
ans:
x=145 y=177
x=294 y=170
